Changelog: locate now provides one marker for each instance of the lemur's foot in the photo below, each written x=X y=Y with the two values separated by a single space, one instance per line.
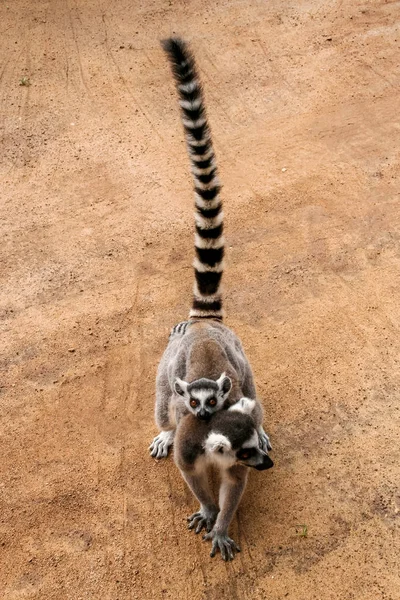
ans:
x=223 y=543
x=161 y=444
x=204 y=519
x=265 y=444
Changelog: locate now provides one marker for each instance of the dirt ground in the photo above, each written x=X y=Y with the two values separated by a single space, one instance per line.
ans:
x=96 y=250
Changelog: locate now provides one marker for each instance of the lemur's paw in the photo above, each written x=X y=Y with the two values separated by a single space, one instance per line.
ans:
x=204 y=519
x=161 y=444
x=223 y=543
x=265 y=443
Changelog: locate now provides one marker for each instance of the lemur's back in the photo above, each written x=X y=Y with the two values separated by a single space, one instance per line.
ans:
x=205 y=350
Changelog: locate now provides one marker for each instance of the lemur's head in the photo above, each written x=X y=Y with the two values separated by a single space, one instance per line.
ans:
x=233 y=438
x=203 y=397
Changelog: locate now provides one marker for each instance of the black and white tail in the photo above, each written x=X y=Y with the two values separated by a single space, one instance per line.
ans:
x=209 y=240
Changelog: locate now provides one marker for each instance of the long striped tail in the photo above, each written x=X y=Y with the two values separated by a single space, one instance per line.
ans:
x=209 y=240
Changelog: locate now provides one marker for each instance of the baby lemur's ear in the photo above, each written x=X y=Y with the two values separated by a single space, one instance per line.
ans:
x=224 y=384
x=244 y=405
x=217 y=442
x=180 y=387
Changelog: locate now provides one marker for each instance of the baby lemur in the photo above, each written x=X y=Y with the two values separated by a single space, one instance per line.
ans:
x=204 y=368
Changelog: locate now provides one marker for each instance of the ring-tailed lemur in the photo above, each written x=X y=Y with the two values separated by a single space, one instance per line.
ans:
x=204 y=367
x=228 y=441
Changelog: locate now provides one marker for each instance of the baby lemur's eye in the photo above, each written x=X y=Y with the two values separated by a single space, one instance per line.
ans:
x=212 y=402
x=244 y=455
x=193 y=403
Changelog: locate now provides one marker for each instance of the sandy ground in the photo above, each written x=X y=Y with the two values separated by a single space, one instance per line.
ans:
x=96 y=249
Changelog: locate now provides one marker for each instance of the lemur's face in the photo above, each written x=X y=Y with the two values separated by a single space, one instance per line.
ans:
x=221 y=450
x=233 y=438
x=204 y=397
x=251 y=455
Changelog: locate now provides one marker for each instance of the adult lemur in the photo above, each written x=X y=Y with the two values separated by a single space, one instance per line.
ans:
x=205 y=393
x=230 y=442
x=204 y=368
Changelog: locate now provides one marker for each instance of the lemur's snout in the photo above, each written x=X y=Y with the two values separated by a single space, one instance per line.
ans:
x=204 y=414
x=267 y=463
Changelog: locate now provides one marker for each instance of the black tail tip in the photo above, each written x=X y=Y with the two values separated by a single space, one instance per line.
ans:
x=173 y=45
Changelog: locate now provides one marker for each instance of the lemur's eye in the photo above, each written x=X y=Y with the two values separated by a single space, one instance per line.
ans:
x=244 y=455
x=212 y=402
x=193 y=403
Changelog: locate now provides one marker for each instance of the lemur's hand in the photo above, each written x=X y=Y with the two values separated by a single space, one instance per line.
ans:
x=161 y=444
x=204 y=519
x=223 y=543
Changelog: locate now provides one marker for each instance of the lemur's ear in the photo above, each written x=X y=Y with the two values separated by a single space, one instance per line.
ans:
x=244 y=405
x=216 y=442
x=224 y=384
x=180 y=387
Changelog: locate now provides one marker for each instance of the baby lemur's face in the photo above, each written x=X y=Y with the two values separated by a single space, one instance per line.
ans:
x=203 y=397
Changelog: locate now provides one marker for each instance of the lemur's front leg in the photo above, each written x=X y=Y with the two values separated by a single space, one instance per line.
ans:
x=205 y=517
x=231 y=490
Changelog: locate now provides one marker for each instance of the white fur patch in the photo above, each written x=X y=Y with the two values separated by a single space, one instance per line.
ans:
x=200 y=157
x=202 y=394
x=201 y=203
x=210 y=298
x=201 y=142
x=196 y=313
x=208 y=223
x=190 y=104
x=190 y=124
x=189 y=87
x=196 y=170
x=244 y=405
x=203 y=268
x=215 y=441
x=208 y=242
x=208 y=186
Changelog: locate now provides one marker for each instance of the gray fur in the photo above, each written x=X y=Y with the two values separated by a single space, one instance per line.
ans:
x=199 y=357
